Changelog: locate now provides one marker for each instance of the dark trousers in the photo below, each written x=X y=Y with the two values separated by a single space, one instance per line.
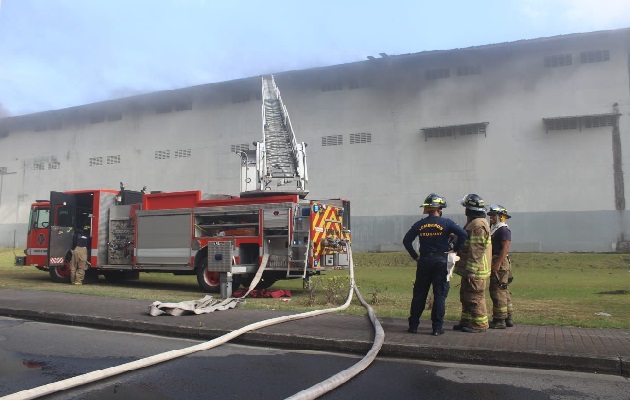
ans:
x=430 y=271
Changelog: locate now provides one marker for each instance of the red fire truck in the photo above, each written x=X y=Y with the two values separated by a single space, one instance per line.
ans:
x=181 y=233
x=221 y=239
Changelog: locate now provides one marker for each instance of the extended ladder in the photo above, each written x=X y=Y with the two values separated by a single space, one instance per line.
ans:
x=281 y=160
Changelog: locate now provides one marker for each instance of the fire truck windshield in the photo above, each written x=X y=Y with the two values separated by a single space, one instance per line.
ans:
x=40 y=218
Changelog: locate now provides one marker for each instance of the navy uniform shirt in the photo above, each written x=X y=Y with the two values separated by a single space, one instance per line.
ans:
x=433 y=234
x=500 y=235
x=82 y=240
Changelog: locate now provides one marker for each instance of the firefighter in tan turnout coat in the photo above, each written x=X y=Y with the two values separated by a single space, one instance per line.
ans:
x=501 y=268
x=474 y=267
x=78 y=263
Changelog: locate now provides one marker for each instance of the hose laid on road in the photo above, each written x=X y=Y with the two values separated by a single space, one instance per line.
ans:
x=310 y=393
x=344 y=376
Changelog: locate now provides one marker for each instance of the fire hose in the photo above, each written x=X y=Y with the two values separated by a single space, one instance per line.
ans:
x=310 y=393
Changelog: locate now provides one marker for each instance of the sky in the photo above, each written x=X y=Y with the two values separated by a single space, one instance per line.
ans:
x=61 y=53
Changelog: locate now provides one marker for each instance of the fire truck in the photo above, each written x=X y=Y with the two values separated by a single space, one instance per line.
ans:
x=221 y=239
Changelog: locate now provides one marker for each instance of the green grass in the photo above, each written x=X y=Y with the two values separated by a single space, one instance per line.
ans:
x=564 y=289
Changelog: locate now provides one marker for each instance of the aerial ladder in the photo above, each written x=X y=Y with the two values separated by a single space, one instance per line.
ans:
x=278 y=164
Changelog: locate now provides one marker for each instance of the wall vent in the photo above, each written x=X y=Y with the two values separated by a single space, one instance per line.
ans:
x=476 y=128
x=441 y=73
x=594 y=56
x=162 y=154
x=183 y=153
x=332 y=140
x=360 y=138
x=95 y=161
x=558 y=60
x=237 y=148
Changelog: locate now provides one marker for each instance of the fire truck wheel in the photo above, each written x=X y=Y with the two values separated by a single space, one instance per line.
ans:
x=209 y=281
x=60 y=273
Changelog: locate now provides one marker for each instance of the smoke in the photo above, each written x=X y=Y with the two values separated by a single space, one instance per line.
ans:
x=3 y=111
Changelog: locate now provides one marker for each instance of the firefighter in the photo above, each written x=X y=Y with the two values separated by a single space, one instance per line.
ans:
x=474 y=267
x=78 y=263
x=433 y=233
x=501 y=274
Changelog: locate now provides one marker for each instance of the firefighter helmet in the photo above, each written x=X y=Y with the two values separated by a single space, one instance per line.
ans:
x=434 y=201
x=473 y=202
x=496 y=209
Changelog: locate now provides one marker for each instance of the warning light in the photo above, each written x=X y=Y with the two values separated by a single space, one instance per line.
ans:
x=316 y=208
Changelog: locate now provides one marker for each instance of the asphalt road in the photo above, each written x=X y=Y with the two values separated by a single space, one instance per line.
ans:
x=34 y=353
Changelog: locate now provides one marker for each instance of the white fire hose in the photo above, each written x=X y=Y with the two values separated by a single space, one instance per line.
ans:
x=310 y=393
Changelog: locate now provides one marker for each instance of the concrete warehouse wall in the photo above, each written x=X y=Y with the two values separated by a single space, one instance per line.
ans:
x=363 y=123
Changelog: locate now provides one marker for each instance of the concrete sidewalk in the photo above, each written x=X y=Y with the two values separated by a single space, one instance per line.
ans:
x=547 y=347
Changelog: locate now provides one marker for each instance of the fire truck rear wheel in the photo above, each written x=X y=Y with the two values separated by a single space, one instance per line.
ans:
x=209 y=281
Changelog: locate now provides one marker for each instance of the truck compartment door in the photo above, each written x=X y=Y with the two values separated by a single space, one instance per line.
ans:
x=164 y=237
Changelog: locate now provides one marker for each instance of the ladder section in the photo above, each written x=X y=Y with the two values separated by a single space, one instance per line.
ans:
x=300 y=243
x=281 y=159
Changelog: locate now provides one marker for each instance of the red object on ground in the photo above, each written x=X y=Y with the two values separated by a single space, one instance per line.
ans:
x=263 y=293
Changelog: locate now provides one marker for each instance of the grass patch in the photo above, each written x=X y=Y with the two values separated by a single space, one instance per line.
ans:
x=565 y=289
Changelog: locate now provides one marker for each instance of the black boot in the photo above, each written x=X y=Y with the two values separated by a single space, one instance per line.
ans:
x=497 y=323
x=413 y=326
x=508 y=321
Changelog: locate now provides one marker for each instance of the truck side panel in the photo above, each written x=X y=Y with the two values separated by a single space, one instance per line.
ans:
x=104 y=201
x=163 y=237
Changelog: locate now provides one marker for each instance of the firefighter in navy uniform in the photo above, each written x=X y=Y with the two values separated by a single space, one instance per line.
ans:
x=78 y=263
x=433 y=233
x=501 y=274
x=474 y=267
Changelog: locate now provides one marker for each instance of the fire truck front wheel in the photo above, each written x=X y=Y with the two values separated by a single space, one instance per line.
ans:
x=209 y=281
